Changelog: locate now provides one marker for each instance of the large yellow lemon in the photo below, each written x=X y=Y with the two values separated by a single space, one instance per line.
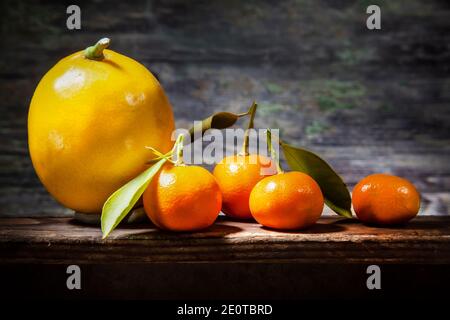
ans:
x=90 y=119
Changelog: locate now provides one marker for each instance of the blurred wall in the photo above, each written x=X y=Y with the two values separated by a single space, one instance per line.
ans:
x=367 y=101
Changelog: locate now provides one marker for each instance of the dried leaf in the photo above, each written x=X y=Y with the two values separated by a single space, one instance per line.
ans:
x=220 y=120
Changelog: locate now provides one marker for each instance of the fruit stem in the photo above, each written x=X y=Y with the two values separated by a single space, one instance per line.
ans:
x=179 y=148
x=95 y=52
x=251 y=112
x=273 y=153
x=159 y=155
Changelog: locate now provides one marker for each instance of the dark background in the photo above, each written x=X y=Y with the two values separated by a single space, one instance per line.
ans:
x=367 y=101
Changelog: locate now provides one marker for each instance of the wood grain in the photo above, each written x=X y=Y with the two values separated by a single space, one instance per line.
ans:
x=425 y=240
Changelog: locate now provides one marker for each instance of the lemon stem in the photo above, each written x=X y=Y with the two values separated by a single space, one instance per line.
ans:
x=273 y=153
x=179 y=148
x=95 y=52
x=251 y=112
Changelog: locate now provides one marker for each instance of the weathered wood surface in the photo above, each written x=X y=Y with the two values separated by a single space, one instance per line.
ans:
x=425 y=240
x=368 y=101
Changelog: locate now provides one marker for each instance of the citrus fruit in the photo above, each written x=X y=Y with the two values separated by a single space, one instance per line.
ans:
x=236 y=176
x=90 y=118
x=182 y=198
x=385 y=200
x=289 y=201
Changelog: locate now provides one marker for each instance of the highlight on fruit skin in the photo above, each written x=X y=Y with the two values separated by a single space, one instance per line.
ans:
x=183 y=198
x=383 y=199
x=287 y=201
x=236 y=176
x=90 y=118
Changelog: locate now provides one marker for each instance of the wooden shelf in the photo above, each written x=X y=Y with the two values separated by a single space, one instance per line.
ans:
x=333 y=240
x=231 y=260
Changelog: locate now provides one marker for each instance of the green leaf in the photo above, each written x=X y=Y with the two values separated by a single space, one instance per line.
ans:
x=122 y=201
x=220 y=120
x=334 y=190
